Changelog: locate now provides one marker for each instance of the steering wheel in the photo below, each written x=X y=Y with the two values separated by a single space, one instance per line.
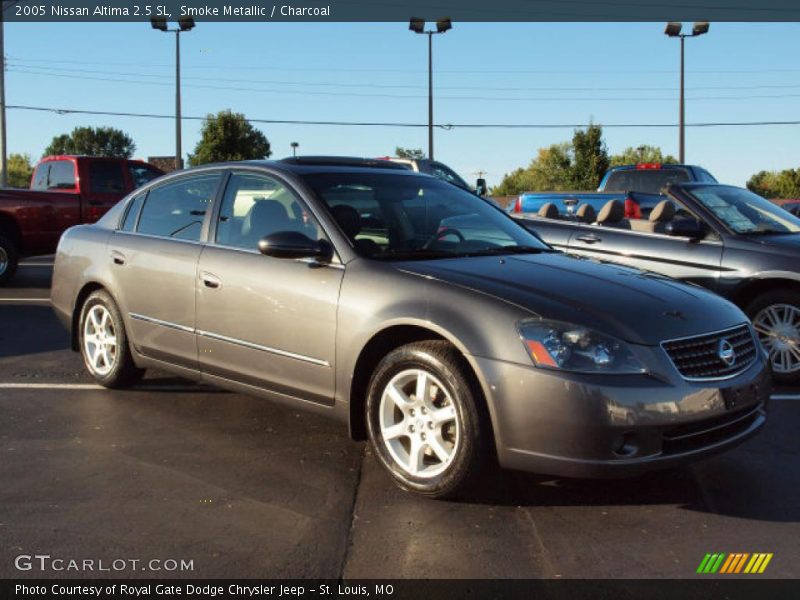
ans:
x=442 y=233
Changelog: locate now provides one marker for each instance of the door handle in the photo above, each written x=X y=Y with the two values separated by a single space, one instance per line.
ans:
x=117 y=257
x=210 y=281
x=589 y=238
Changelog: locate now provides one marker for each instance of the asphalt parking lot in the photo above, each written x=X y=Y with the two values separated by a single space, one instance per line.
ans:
x=245 y=488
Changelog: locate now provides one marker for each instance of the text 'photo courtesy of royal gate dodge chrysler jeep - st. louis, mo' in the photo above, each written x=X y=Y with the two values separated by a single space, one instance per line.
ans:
x=424 y=317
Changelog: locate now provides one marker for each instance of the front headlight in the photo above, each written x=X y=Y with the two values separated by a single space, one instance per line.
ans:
x=567 y=347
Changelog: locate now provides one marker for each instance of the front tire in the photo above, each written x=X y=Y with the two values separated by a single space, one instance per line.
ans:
x=776 y=318
x=9 y=258
x=104 y=343
x=424 y=419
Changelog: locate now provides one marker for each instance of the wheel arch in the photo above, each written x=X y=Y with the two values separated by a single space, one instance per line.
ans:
x=762 y=285
x=383 y=342
x=85 y=291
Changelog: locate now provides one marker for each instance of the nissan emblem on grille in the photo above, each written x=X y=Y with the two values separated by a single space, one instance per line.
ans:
x=726 y=352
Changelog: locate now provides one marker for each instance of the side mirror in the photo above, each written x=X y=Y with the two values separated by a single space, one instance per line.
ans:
x=481 y=188
x=293 y=244
x=688 y=228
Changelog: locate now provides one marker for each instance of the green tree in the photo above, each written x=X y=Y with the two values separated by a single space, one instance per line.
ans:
x=590 y=158
x=551 y=170
x=412 y=153
x=642 y=154
x=776 y=184
x=93 y=141
x=229 y=136
x=19 y=170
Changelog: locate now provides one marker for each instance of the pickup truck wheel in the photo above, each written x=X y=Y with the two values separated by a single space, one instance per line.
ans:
x=776 y=318
x=104 y=343
x=424 y=421
x=9 y=259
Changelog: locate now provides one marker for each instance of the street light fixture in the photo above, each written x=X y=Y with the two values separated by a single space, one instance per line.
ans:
x=417 y=25
x=673 y=29
x=184 y=24
x=294 y=146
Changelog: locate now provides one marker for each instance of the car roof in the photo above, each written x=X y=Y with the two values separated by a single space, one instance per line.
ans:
x=302 y=165
x=661 y=167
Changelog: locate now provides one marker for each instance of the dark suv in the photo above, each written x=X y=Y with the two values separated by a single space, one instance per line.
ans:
x=722 y=237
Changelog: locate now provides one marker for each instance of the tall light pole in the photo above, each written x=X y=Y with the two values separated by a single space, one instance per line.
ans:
x=184 y=24
x=294 y=146
x=673 y=29
x=418 y=26
x=3 y=149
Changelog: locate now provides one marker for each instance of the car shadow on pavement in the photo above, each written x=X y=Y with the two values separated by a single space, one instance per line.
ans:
x=742 y=484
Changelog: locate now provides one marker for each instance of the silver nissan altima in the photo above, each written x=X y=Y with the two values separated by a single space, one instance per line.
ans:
x=415 y=312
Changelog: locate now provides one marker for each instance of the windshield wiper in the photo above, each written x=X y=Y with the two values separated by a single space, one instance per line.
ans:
x=767 y=232
x=413 y=255
x=498 y=250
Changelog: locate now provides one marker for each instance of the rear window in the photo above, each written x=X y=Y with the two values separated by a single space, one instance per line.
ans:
x=40 y=178
x=141 y=174
x=650 y=181
x=105 y=177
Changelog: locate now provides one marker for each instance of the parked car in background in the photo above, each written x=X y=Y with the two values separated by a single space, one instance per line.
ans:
x=793 y=206
x=724 y=238
x=64 y=191
x=440 y=171
x=350 y=290
x=638 y=187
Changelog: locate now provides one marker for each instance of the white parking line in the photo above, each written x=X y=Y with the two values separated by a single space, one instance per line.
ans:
x=21 y=300
x=35 y=264
x=785 y=397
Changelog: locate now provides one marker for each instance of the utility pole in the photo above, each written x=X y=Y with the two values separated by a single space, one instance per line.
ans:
x=3 y=150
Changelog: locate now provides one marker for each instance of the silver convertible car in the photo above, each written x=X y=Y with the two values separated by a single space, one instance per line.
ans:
x=415 y=312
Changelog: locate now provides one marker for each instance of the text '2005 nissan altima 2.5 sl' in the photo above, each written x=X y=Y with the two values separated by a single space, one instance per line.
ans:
x=348 y=288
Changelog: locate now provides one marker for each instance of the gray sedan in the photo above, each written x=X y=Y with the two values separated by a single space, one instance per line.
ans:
x=418 y=314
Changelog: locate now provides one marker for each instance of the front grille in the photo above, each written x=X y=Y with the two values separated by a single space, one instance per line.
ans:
x=697 y=435
x=699 y=357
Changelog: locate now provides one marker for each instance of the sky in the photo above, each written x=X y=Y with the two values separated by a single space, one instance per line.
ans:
x=533 y=73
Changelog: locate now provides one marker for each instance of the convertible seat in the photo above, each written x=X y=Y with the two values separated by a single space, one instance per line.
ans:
x=613 y=215
x=549 y=211
x=662 y=214
x=586 y=213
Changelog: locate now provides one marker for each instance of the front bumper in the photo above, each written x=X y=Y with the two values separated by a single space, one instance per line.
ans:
x=616 y=426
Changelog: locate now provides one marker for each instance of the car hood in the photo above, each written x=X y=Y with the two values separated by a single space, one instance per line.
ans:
x=636 y=306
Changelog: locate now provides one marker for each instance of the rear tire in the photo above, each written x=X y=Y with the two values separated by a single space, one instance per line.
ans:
x=9 y=258
x=104 y=343
x=776 y=318
x=424 y=419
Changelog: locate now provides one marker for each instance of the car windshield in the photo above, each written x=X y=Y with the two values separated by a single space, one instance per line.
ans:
x=745 y=212
x=650 y=181
x=412 y=217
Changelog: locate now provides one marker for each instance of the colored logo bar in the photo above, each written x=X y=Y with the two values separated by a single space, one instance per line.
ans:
x=737 y=562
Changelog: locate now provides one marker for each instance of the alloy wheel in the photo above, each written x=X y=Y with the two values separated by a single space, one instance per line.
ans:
x=419 y=423
x=778 y=328
x=99 y=340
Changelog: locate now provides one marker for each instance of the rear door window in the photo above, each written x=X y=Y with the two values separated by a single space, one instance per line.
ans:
x=132 y=216
x=177 y=209
x=106 y=177
x=61 y=175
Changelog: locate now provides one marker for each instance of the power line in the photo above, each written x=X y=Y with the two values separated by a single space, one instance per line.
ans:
x=448 y=126
x=59 y=71
x=558 y=71
x=408 y=96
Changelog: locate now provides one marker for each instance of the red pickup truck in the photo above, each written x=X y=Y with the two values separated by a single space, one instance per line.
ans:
x=65 y=191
